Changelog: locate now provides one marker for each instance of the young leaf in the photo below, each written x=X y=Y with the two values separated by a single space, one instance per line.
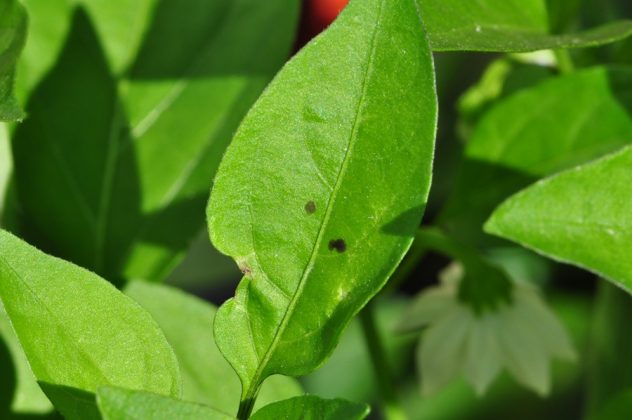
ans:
x=76 y=329
x=13 y=24
x=319 y=195
x=505 y=26
x=580 y=216
x=132 y=206
x=120 y=404
x=527 y=136
x=309 y=407
x=207 y=378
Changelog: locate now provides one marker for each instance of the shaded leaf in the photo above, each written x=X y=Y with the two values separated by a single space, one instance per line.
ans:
x=124 y=404
x=207 y=378
x=13 y=23
x=135 y=157
x=527 y=136
x=76 y=329
x=505 y=26
x=322 y=188
x=309 y=407
x=580 y=216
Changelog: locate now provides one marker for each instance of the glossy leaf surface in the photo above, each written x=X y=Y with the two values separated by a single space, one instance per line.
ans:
x=76 y=329
x=13 y=23
x=580 y=216
x=505 y=26
x=534 y=133
x=124 y=404
x=135 y=157
x=309 y=407
x=319 y=195
x=207 y=378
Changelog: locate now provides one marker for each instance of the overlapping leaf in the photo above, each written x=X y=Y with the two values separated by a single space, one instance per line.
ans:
x=77 y=331
x=537 y=132
x=309 y=407
x=13 y=24
x=580 y=216
x=319 y=195
x=207 y=378
x=135 y=157
x=505 y=26
x=120 y=404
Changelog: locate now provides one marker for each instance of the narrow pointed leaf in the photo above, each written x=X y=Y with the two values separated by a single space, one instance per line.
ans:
x=135 y=157
x=580 y=216
x=76 y=329
x=207 y=378
x=309 y=407
x=506 y=26
x=319 y=195
x=13 y=23
x=124 y=404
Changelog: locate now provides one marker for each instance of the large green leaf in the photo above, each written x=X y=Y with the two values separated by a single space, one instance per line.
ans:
x=505 y=25
x=207 y=378
x=77 y=330
x=13 y=24
x=581 y=216
x=135 y=157
x=309 y=407
x=535 y=133
x=319 y=195
x=123 y=404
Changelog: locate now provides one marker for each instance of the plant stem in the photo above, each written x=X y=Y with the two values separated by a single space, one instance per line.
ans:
x=564 y=61
x=386 y=384
x=246 y=404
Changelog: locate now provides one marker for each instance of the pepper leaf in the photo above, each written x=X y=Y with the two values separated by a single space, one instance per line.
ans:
x=319 y=195
x=13 y=23
x=77 y=330
x=580 y=216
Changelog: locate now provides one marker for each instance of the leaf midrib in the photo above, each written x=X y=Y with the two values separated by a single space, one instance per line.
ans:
x=254 y=384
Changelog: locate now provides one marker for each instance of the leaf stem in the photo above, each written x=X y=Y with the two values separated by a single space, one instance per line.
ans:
x=385 y=381
x=245 y=407
x=564 y=61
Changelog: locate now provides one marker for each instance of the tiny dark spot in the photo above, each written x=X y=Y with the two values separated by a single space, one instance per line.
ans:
x=245 y=270
x=310 y=207
x=338 y=244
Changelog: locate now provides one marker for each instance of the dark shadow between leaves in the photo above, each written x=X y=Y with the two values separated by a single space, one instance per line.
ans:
x=480 y=188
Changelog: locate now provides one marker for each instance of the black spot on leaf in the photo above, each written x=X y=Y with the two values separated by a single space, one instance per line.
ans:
x=338 y=244
x=310 y=207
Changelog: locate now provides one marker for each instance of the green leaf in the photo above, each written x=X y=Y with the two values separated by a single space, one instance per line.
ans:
x=505 y=26
x=122 y=404
x=23 y=394
x=320 y=192
x=580 y=216
x=135 y=197
x=13 y=23
x=618 y=407
x=309 y=407
x=207 y=378
x=77 y=330
x=528 y=136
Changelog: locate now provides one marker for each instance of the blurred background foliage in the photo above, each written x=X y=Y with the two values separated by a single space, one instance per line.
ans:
x=470 y=86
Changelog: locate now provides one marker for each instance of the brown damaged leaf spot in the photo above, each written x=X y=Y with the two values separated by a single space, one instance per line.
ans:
x=310 y=207
x=338 y=244
x=245 y=269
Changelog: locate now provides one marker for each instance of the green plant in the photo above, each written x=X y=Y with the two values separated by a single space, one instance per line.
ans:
x=320 y=171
